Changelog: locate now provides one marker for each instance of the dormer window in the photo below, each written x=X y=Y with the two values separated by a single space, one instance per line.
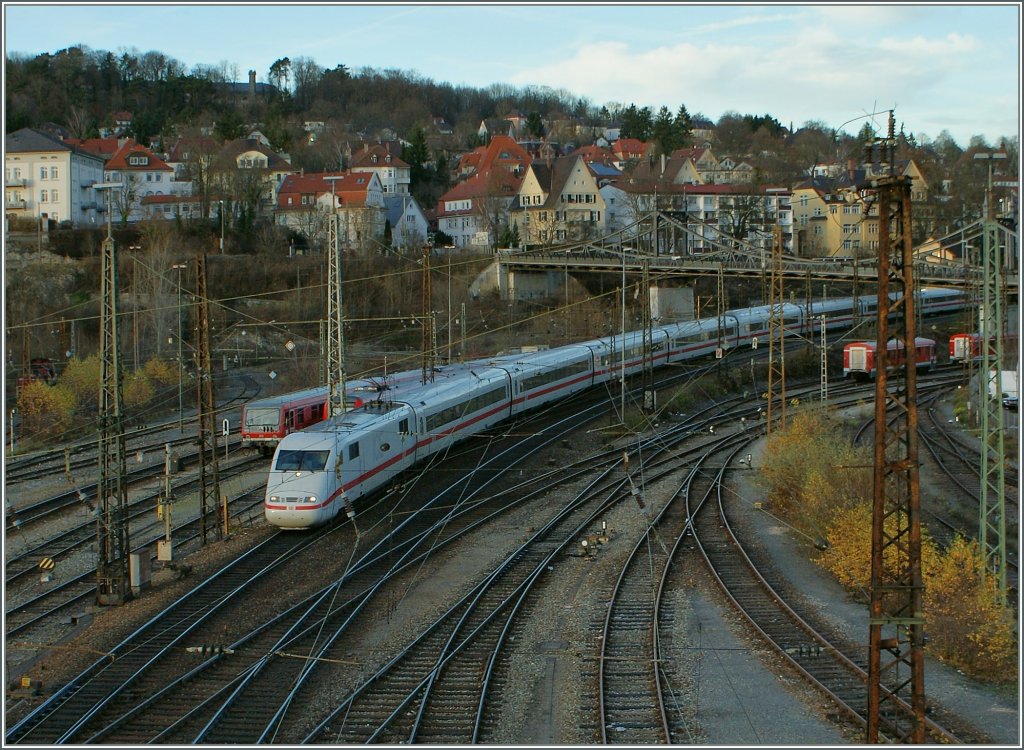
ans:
x=373 y=158
x=388 y=158
x=138 y=161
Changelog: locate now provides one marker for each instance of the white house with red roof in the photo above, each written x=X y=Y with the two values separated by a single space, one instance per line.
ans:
x=395 y=175
x=628 y=150
x=304 y=205
x=475 y=211
x=502 y=152
x=141 y=173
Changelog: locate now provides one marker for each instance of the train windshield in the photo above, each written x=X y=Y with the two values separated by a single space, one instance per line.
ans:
x=301 y=460
x=262 y=417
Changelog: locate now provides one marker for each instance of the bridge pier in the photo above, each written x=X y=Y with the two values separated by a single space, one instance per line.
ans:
x=668 y=303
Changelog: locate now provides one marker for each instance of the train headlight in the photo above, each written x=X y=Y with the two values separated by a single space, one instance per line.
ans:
x=273 y=498
x=311 y=498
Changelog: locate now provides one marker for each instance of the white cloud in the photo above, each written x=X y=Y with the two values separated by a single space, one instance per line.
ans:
x=822 y=73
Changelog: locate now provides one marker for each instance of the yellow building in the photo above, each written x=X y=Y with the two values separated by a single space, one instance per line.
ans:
x=838 y=217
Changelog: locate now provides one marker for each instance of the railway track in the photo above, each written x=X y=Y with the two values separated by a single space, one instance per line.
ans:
x=25 y=563
x=71 y=596
x=251 y=690
x=82 y=454
x=60 y=719
x=118 y=714
x=840 y=676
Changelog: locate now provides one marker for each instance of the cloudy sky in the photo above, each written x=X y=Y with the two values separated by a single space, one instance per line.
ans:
x=953 y=67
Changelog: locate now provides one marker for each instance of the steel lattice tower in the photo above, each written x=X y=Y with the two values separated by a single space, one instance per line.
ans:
x=896 y=638
x=112 y=581
x=776 y=338
x=335 y=318
x=649 y=396
x=427 y=343
x=209 y=483
x=992 y=522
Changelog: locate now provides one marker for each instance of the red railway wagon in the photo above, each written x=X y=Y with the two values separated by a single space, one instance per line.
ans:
x=859 y=356
x=266 y=421
x=967 y=346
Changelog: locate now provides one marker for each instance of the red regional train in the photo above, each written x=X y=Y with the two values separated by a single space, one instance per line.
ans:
x=859 y=356
x=964 y=347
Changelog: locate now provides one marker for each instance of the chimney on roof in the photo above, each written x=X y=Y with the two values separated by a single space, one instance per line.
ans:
x=252 y=83
x=663 y=165
x=849 y=168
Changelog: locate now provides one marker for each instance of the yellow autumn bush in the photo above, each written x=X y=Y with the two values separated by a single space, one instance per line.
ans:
x=818 y=482
x=161 y=372
x=46 y=411
x=137 y=389
x=967 y=625
x=82 y=377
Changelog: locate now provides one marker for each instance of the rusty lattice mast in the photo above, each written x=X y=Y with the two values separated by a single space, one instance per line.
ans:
x=896 y=638
x=209 y=481
x=112 y=533
x=776 y=340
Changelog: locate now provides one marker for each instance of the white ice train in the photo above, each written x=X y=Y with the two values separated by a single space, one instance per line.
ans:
x=322 y=470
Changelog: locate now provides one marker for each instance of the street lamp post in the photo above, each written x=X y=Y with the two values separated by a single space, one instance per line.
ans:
x=221 y=226
x=181 y=420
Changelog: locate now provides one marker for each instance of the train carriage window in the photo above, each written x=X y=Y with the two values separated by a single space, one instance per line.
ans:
x=353 y=451
x=301 y=460
x=266 y=418
x=403 y=427
x=289 y=420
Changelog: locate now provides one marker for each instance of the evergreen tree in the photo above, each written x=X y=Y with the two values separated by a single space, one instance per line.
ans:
x=683 y=125
x=535 y=125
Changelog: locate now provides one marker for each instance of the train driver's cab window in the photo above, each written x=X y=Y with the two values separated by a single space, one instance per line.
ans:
x=403 y=427
x=267 y=419
x=301 y=460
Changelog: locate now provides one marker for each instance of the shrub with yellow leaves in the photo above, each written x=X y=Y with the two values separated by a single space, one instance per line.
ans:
x=966 y=623
x=161 y=372
x=46 y=411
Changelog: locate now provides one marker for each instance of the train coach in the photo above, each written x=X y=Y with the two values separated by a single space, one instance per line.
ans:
x=859 y=359
x=399 y=421
x=323 y=469
x=266 y=421
x=967 y=347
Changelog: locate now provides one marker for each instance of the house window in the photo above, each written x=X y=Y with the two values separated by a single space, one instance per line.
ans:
x=42 y=196
x=832 y=210
x=846 y=244
x=42 y=173
x=848 y=228
x=149 y=177
x=53 y=173
x=138 y=161
x=817 y=211
x=53 y=196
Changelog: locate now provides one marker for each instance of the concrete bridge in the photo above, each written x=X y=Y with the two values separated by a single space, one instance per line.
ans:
x=951 y=261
